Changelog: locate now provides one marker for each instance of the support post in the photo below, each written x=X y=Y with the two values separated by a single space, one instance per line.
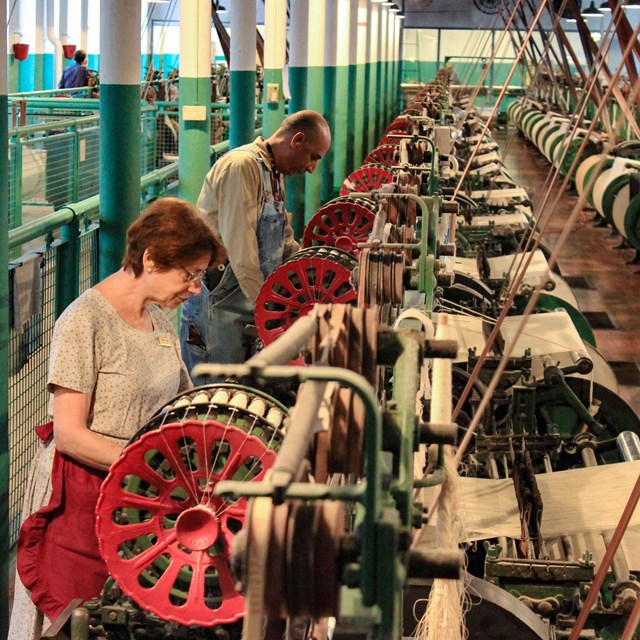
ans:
x=353 y=83
x=298 y=71
x=194 y=144
x=329 y=102
x=361 y=141
x=120 y=22
x=315 y=98
x=341 y=126
x=242 y=115
x=275 y=26
x=374 y=77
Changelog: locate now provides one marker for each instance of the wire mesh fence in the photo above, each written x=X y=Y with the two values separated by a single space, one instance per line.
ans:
x=54 y=164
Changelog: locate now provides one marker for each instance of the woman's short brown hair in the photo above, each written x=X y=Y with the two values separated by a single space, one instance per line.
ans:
x=174 y=232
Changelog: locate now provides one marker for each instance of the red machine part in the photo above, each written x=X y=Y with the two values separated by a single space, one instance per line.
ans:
x=367 y=178
x=399 y=124
x=164 y=536
x=340 y=223
x=318 y=275
x=386 y=154
x=392 y=137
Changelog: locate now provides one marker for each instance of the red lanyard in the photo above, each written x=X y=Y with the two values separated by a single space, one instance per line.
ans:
x=276 y=178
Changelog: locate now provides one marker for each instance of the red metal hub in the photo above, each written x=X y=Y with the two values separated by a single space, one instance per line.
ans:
x=164 y=536
x=197 y=528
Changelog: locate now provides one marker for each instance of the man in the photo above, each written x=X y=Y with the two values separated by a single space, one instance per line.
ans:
x=76 y=74
x=243 y=200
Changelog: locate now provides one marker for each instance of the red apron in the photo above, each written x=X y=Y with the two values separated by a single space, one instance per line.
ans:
x=58 y=557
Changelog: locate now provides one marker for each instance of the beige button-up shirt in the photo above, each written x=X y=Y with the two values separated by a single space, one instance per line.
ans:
x=231 y=198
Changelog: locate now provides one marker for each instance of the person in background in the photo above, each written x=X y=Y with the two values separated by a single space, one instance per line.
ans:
x=114 y=361
x=243 y=200
x=76 y=74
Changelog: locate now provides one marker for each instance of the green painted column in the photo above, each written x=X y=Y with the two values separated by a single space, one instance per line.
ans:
x=13 y=74
x=399 y=64
x=389 y=74
x=4 y=333
x=242 y=116
x=194 y=143
x=38 y=49
x=391 y=67
x=298 y=76
x=342 y=133
x=361 y=96
x=373 y=79
x=315 y=96
x=327 y=191
x=275 y=29
x=119 y=127
x=352 y=105
x=383 y=95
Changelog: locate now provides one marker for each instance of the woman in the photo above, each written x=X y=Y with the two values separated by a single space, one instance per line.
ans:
x=114 y=361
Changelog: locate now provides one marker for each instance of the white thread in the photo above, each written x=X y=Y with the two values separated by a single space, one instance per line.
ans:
x=444 y=617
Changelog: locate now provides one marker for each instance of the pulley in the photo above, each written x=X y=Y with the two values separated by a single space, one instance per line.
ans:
x=380 y=277
x=347 y=337
x=288 y=560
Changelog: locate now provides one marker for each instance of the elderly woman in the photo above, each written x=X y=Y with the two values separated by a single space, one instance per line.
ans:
x=114 y=361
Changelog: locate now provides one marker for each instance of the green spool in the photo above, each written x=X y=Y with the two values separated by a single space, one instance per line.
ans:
x=632 y=223
x=570 y=156
x=610 y=194
x=607 y=164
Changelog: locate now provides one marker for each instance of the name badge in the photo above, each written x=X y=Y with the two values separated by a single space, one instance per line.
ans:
x=163 y=341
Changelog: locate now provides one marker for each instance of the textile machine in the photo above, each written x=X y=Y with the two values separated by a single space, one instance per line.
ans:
x=303 y=497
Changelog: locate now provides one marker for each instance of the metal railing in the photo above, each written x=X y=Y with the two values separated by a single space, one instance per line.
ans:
x=54 y=157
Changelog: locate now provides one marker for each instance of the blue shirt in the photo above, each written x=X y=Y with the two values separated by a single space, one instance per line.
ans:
x=75 y=75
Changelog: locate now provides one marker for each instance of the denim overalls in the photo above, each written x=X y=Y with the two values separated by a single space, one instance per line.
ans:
x=219 y=316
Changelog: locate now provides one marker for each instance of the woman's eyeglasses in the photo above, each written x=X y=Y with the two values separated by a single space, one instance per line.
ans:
x=194 y=276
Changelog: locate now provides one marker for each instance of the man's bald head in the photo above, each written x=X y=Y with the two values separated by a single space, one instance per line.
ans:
x=300 y=142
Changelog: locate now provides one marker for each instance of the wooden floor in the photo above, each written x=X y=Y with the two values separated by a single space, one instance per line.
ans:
x=608 y=283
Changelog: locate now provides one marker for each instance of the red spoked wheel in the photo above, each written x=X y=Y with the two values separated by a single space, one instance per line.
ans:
x=164 y=536
x=385 y=154
x=341 y=223
x=367 y=178
x=399 y=124
x=318 y=275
